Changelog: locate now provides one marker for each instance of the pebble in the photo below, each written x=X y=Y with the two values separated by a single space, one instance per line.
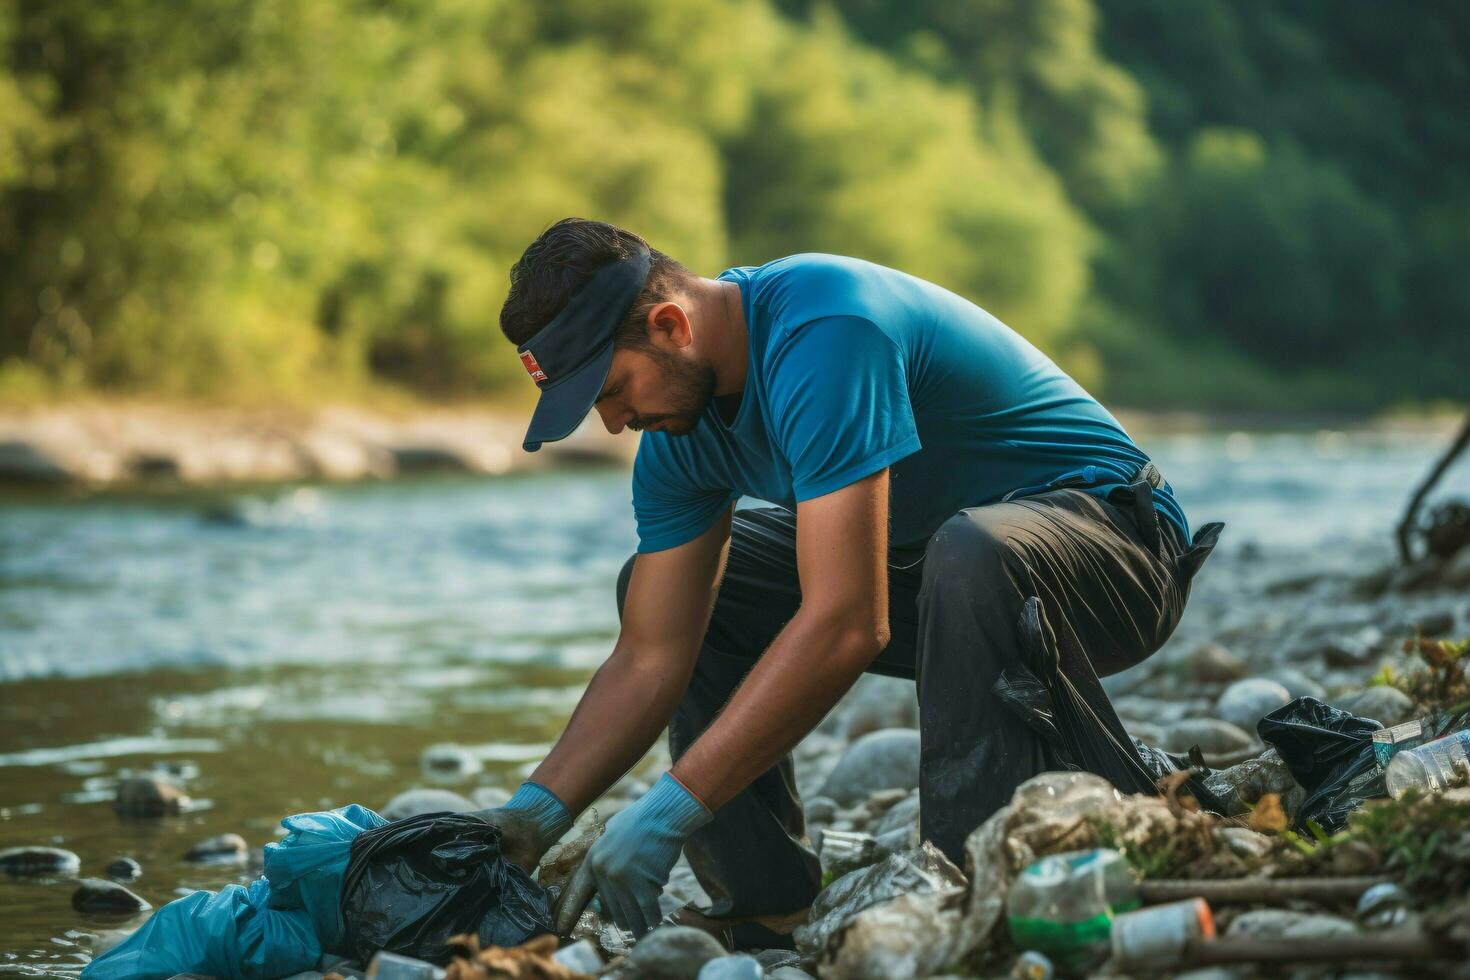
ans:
x=1355 y=649
x=223 y=849
x=148 y=796
x=412 y=802
x=1213 y=664
x=39 y=861
x=1285 y=924
x=673 y=953
x=1384 y=704
x=1214 y=737
x=821 y=809
x=901 y=815
x=124 y=869
x=737 y=967
x=877 y=702
x=887 y=759
x=449 y=761
x=1297 y=683
x=102 y=896
x=788 y=973
x=580 y=957
x=1246 y=702
x=1383 y=906
x=1245 y=842
x=1436 y=623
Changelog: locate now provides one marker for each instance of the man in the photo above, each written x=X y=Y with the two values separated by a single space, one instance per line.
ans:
x=953 y=509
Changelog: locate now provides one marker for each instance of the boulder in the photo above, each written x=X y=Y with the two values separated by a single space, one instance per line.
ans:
x=887 y=759
x=24 y=861
x=99 y=896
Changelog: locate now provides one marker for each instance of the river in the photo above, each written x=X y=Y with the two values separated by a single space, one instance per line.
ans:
x=297 y=649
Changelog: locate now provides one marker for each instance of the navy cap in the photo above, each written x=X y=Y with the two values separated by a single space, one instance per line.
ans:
x=569 y=357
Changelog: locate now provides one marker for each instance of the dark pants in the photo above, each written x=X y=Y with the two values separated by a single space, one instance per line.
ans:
x=1111 y=588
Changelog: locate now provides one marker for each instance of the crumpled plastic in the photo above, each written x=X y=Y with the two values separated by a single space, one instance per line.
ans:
x=922 y=870
x=278 y=926
x=1330 y=753
x=413 y=884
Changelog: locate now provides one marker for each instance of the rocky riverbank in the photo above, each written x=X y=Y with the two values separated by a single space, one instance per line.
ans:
x=96 y=446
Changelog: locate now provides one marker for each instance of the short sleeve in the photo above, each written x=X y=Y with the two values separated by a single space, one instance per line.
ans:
x=839 y=404
x=670 y=505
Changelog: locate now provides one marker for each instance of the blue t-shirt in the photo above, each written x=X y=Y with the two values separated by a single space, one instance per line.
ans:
x=854 y=367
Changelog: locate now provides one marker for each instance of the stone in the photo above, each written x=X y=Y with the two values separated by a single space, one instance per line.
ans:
x=877 y=702
x=1384 y=704
x=580 y=957
x=887 y=759
x=124 y=869
x=1435 y=623
x=412 y=802
x=821 y=809
x=1213 y=664
x=148 y=796
x=489 y=797
x=737 y=967
x=1297 y=683
x=902 y=814
x=24 y=463
x=1213 y=736
x=21 y=861
x=1455 y=573
x=223 y=849
x=1245 y=842
x=788 y=973
x=673 y=953
x=1353 y=649
x=100 y=896
x=1246 y=702
x=771 y=959
x=447 y=761
x=1284 y=924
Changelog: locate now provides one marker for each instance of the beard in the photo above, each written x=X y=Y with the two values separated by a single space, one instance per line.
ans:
x=689 y=385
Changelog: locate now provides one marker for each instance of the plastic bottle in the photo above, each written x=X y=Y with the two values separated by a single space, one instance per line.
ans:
x=391 y=966
x=1063 y=905
x=1430 y=768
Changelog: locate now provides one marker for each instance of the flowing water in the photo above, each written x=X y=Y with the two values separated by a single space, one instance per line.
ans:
x=297 y=649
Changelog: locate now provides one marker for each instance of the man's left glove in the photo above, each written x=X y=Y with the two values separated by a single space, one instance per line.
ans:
x=630 y=863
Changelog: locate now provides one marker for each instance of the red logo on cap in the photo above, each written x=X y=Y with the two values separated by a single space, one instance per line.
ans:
x=532 y=368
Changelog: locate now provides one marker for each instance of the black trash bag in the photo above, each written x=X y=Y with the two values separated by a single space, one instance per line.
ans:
x=412 y=884
x=1330 y=754
x=1057 y=694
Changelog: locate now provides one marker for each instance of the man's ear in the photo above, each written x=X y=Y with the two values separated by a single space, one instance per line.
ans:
x=669 y=328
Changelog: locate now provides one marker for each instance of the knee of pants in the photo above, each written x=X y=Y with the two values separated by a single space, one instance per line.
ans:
x=624 y=577
x=971 y=552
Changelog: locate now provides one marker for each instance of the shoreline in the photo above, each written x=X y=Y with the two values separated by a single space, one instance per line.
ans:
x=98 y=445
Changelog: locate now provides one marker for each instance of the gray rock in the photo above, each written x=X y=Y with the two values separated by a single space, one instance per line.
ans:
x=1213 y=664
x=39 y=861
x=1246 y=702
x=902 y=814
x=737 y=967
x=887 y=759
x=1213 y=736
x=1297 y=683
x=772 y=959
x=1354 y=649
x=1284 y=924
x=821 y=809
x=1146 y=732
x=580 y=957
x=412 y=802
x=23 y=463
x=109 y=939
x=224 y=849
x=877 y=702
x=100 y=896
x=1383 y=704
x=447 y=761
x=673 y=953
x=1244 y=842
x=124 y=869
x=1435 y=623
x=1455 y=573
x=148 y=796
x=788 y=973
x=489 y=797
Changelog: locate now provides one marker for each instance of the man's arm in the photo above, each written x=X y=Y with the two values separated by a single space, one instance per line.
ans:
x=634 y=694
x=842 y=625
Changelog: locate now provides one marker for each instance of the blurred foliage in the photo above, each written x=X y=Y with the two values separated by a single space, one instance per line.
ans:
x=1191 y=202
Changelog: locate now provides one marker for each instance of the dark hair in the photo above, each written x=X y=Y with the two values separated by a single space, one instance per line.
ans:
x=559 y=262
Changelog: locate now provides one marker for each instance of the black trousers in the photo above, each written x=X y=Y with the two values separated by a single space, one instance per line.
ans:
x=1112 y=580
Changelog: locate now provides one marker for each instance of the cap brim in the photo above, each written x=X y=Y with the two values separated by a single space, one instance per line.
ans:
x=566 y=403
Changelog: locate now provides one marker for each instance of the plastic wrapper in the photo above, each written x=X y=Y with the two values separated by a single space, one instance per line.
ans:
x=915 y=872
x=413 y=884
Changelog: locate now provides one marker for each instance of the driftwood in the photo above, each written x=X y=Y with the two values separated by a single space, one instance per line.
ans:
x=1411 y=515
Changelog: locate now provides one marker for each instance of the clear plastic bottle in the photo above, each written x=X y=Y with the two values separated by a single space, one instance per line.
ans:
x=1063 y=905
x=1430 y=768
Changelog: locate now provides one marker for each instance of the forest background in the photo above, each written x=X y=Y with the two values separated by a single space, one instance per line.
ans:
x=1189 y=203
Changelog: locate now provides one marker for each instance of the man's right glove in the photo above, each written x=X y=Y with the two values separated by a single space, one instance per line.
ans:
x=530 y=822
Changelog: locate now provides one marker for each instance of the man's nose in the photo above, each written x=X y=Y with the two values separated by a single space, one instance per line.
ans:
x=612 y=418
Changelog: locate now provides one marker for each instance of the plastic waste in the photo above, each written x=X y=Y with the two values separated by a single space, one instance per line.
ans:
x=1432 y=767
x=1391 y=741
x=1159 y=936
x=391 y=966
x=1064 y=904
x=1330 y=753
x=920 y=871
x=277 y=927
x=412 y=884
x=1032 y=965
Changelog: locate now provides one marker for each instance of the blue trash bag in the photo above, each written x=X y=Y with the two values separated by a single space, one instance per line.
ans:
x=278 y=926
